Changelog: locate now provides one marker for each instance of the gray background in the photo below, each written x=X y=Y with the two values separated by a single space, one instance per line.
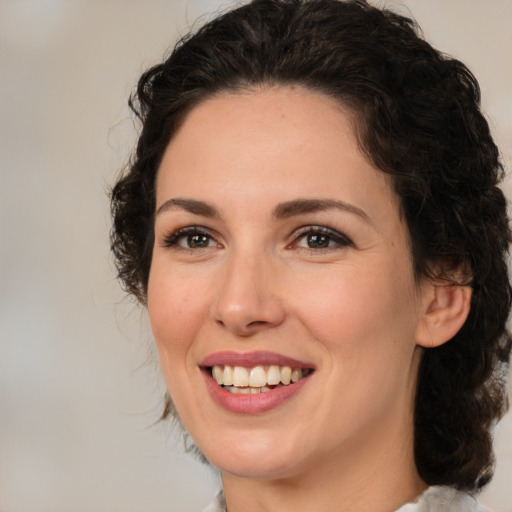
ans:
x=79 y=388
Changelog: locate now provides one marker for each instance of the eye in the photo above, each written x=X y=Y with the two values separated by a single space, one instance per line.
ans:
x=319 y=237
x=197 y=241
x=190 y=238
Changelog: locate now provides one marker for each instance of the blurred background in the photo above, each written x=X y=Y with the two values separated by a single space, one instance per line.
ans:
x=80 y=390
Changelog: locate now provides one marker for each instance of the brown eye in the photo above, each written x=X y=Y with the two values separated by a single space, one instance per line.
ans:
x=318 y=238
x=190 y=238
x=196 y=241
x=317 y=241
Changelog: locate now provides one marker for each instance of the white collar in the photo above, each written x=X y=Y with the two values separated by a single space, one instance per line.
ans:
x=443 y=498
x=434 y=499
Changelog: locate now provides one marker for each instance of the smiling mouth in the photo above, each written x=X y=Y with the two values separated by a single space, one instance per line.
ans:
x=258 y=379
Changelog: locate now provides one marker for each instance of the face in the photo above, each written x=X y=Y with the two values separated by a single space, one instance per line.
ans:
x=281 y=269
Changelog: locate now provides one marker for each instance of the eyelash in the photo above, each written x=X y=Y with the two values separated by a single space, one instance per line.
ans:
x=173 y=239
x=340 y=239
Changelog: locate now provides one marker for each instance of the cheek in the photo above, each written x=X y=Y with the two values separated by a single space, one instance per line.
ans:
x=175 y=311
x=357 y=308
x=364 y=324
x=176 y=307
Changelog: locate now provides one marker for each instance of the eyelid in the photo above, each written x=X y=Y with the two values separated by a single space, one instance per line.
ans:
x=334 y=234
x=170 y=239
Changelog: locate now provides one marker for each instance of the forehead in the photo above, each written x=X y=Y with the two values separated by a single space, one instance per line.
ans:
x=287 y=141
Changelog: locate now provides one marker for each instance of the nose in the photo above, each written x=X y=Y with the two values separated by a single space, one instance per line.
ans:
x=248 y=301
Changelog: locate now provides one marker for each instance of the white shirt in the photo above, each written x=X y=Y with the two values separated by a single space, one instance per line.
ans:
x=434 y=499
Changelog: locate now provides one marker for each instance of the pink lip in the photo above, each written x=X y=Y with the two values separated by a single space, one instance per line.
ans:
x=252 y=404
x=260 y=402
x=251 y=359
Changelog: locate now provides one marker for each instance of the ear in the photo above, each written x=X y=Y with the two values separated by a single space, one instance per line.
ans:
x=446 y=308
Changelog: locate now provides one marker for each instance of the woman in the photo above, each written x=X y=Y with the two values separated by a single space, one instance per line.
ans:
x=313 y=221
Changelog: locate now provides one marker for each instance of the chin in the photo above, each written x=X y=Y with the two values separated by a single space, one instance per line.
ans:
x=253 y=456
x=257 y=466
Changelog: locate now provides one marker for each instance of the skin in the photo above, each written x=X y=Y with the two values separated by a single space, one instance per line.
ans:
x=352 y=310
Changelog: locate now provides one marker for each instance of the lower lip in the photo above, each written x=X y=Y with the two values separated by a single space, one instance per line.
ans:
x=252 y=403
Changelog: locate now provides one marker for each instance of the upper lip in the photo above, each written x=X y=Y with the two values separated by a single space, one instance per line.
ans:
x=251 y=359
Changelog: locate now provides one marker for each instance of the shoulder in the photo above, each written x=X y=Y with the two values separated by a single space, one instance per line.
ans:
x=444 y=499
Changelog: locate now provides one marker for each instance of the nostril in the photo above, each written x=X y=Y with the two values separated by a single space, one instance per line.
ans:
x=256 y=323
x=241 y=325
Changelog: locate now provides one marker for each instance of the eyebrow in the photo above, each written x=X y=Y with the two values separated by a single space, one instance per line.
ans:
x=281 y=211
x=190 y=205
x=301 y=206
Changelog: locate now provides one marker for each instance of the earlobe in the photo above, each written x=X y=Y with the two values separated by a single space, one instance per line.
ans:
x=446 y=310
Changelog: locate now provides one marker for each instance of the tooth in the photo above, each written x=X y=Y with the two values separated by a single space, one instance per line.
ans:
x=227 y=376
x=240 y=376
x=296 y=374
x=217 y=374
x=243 y=391
x=286 y=374
x=258 y=377
x=273 y=375
x=255 y=391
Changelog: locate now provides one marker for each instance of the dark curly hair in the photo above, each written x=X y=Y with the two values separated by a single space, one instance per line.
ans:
x=418 y=118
